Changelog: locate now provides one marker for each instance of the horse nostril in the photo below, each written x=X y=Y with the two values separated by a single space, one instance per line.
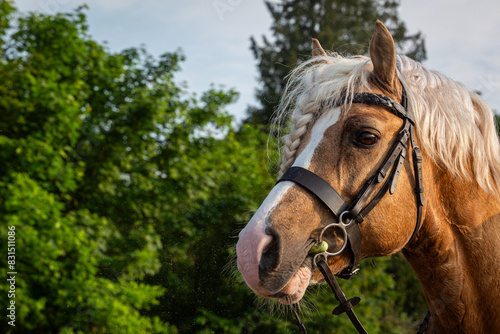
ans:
x=270 y=258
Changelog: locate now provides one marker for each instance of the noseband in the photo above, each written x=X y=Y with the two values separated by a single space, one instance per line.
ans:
x=349 y=216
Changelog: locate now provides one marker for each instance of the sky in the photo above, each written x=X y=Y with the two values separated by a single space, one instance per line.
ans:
x=462 y=38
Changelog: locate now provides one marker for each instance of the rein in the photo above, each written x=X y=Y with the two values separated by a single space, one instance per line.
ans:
x=349 y=216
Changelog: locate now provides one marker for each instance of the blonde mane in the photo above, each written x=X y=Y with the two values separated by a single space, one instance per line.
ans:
x=454 y=127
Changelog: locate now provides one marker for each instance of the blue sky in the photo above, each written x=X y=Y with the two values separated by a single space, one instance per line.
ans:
x=462 y=37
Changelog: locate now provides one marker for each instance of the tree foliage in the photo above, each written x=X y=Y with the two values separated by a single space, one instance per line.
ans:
x=126 y=193
x=107 y=169
x=345 y=26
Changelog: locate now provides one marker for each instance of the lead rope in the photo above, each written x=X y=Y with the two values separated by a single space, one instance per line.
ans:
x=345 y=306
x=298 y=323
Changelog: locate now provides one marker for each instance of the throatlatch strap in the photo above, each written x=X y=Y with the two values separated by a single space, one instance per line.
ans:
x=317 y=186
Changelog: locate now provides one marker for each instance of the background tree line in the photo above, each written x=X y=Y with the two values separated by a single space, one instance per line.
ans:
x=127 y=191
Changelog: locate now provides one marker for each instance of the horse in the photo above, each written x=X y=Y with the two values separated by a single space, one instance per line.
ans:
x=440 y=207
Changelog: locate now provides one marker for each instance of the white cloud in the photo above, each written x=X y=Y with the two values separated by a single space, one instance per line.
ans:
x=113 y=5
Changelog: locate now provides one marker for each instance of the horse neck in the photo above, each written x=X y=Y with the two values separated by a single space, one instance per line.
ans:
x=456 y=256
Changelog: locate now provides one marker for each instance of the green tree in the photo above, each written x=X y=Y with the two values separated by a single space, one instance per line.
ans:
x=107 y=167
x=345 y=26
x=126 y=193
x=52 y=74
x=123 y=188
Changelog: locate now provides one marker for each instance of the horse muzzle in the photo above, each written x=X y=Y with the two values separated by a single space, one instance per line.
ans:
x=266 y=268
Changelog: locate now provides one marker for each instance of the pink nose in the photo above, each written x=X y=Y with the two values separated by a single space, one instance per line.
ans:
x=253 y=240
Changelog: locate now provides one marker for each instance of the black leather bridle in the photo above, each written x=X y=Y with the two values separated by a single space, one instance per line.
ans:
x=349 y=216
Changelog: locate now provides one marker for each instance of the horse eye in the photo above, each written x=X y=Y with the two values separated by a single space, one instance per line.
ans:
x=366 y=139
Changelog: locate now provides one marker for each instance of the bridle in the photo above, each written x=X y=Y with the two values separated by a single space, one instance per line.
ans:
x=349 y=216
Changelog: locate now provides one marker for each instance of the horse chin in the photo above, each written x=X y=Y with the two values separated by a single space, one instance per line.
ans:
x=296 y=287
x=336 y=265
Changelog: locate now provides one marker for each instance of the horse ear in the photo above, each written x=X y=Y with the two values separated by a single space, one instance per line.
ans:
x=317 y=50
x=383 y=56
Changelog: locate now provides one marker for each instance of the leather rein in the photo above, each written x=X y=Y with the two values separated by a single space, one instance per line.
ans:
x=349 y=216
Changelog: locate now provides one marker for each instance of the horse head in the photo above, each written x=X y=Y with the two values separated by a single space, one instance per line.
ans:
x=350 y=189
x=345 y=144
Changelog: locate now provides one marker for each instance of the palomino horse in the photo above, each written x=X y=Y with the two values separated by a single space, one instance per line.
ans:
x=450 y=236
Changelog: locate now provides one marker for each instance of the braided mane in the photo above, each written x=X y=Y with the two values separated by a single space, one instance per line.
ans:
x=455 y=127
